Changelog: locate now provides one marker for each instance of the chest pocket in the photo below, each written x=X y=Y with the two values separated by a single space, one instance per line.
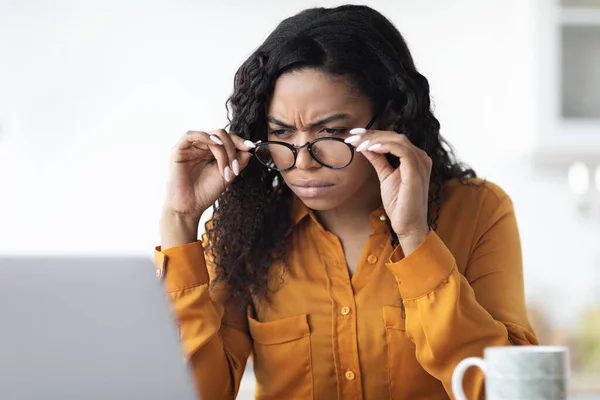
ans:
x=395 y=332
x=281 y=356
x=408 y=379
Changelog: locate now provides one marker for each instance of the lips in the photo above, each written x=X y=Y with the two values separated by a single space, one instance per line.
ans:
x=311 y=188
x=311 y=183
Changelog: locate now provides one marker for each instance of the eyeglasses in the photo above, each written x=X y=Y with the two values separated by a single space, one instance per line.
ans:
x=330 y=152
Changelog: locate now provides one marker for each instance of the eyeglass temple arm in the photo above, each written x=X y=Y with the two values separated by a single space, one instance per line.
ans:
x=372 y=121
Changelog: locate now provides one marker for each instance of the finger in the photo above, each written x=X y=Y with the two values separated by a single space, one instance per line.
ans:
x=195 y=138
x=401 y=146
x=205 y=141
x=383 y=142
x=390 y=142
x=364 y=140
x=241 y=143
x=222 y=161
x=393 y=142
x=187 y=139
x=230 y=149
x=202 y=140
x=367 y=134
x=413 y=167
x=407 y=155
x=380 y=163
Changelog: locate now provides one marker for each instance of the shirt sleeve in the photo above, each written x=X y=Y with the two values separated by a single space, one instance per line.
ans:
x=215 y=334
x=451 y=316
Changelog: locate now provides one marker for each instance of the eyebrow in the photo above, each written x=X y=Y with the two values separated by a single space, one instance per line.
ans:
x=321 y=122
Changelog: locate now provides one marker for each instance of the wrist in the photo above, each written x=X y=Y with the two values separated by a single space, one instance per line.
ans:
x=177 y=229
x=169 y=217
x=409 y=242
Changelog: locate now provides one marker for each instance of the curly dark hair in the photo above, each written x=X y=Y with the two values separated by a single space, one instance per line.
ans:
x=251 y=220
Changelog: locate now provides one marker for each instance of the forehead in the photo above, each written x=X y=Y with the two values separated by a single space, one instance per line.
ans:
x=309 y=94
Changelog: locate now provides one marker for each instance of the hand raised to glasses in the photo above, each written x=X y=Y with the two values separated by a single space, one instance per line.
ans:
x=201 y=167
x=404 y=190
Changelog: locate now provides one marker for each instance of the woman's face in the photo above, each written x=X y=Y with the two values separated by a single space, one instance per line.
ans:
x=309 y=104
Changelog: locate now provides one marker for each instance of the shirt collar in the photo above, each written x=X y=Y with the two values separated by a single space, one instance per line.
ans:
x=300 y=212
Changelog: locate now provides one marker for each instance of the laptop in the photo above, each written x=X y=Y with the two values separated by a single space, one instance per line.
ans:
x=88 y=329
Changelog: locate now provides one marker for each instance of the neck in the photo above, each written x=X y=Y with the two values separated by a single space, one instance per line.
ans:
x=351 y=218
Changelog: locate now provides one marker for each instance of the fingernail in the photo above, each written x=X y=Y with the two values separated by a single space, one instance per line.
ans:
x=363 y=146
x=353 y=139
x=358 y=131
x=216 y=140
x=374 y=147
x=248 y=143
x=227 y=174
x=235 y=165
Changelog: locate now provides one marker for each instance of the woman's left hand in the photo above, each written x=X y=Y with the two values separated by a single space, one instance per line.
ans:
x=404 y=190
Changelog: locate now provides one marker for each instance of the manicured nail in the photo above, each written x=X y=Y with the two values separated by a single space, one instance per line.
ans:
x=374 y=147
x=235 y=166
x=358 y=131
x=248 y=143
x=227 y=174
x=216 y=140
x=363 y=146
x=353 y=139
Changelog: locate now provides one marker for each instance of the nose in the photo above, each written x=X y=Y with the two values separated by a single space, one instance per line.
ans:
x=305 y=161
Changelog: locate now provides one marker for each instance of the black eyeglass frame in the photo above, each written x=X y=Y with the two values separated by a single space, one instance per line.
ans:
x=309 y=147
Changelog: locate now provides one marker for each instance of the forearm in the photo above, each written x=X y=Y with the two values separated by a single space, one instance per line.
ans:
x=447 y=325
x=217 y=347
x=217 y=352
x=444 y=317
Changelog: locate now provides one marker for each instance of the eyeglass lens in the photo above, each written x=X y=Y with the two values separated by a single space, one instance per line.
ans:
x=331 y=153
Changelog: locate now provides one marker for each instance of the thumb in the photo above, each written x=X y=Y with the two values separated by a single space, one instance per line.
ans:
x=380 y=163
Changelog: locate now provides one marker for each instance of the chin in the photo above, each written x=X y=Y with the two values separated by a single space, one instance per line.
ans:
x=321 y=203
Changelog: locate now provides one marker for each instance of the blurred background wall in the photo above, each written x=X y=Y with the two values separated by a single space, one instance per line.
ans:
x=93 y=94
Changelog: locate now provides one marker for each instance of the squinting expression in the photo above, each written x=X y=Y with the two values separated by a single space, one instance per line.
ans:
x=309 y=104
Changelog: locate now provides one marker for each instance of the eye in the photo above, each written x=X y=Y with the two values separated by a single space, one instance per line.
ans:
x=279 y=132
x=335 y=131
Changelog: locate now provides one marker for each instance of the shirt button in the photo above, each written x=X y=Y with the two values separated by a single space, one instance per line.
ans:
x=345 y=310
x=349 y=375
x=159 y=273
x=372 y=259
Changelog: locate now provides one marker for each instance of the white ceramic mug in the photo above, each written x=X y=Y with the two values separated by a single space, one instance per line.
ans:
x=519 y=373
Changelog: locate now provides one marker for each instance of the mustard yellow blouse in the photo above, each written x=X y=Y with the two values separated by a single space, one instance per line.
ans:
x=394 y=330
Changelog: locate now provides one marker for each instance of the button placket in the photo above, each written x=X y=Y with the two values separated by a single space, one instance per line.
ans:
x=344 y=320
x=346 y=336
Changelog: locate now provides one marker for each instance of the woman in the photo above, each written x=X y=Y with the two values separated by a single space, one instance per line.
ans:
x=349 y=253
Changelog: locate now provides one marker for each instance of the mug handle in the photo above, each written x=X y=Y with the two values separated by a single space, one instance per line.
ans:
x=459 y=372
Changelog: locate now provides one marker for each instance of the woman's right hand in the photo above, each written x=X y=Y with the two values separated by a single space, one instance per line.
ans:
x=202 y=165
